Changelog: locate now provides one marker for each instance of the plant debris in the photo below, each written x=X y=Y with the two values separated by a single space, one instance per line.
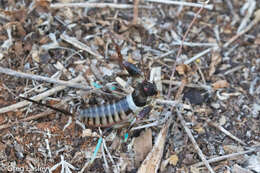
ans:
x=203 y=58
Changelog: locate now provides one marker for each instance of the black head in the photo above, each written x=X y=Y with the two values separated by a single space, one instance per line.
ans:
x=148 y=88
x=142 y=92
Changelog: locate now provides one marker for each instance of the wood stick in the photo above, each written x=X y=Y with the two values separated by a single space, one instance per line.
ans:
x=42 y=78
x=202 y=157
x=37 y=97
x=95 y=5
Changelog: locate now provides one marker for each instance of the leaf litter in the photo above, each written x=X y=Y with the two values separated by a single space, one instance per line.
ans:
x=63 y=54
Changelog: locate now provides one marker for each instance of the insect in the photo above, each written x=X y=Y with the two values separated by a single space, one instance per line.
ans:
x=112 y=113
x=115 y=112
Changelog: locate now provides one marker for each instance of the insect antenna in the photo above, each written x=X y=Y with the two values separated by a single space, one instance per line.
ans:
x=118 y=51
x=142 y=57
x=131 y=68
x=143 y=34
x=48 y=106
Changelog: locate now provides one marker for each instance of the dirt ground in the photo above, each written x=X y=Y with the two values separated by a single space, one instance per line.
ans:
x=203 y=58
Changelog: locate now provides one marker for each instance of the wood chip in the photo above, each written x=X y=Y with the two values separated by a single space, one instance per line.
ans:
x=142 y=145
x=220 y=84
x=152 y=161
x=215 y=60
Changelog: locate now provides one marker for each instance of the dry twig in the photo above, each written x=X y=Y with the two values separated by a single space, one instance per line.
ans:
x=173 y=103
x=34 y=117
x=250 y=25
x=95 y=5
x=180 y=49
x=226 y=132
x=45 y=79
x=199 y=55
x=187 y=130
x=38 y=97
x=228 y=156
x=80 y=45
x=190 y=4
x=191 y=85
x=153 y=159
x=135 y=18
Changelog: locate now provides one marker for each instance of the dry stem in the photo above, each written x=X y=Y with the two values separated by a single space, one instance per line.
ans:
x=226 y=132
x=37 y=97
x=207 y=6
x=180 y=49
x=229 y=156
x=42 y=78
x=94 y=5
x=204 y=160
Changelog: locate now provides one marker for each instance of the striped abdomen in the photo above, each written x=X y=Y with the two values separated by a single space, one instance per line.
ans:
x=110 y=113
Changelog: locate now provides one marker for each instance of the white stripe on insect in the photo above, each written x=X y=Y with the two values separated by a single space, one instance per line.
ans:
x=131 y=103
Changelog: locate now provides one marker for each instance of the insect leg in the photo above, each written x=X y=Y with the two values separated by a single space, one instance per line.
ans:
x=145 y=111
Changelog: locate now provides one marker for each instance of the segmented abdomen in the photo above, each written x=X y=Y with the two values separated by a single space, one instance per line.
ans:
x=110 y=113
